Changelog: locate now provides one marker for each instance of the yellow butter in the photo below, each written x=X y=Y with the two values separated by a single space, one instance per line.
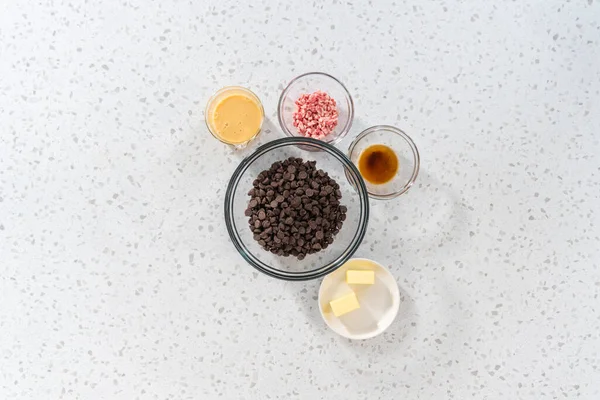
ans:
x=360 y=277
x=344 y=304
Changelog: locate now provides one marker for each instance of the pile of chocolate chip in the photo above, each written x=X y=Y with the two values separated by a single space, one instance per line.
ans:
x=294 y=208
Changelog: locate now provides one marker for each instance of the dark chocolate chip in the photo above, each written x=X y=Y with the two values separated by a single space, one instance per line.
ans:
x=294 y=208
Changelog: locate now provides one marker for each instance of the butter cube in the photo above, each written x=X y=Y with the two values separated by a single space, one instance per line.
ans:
x=345 y=304
x=360 y=277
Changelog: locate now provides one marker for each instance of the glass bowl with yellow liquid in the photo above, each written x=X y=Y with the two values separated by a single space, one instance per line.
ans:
x=234 y=115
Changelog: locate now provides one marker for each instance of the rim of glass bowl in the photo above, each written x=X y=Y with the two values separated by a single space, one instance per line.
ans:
x=358 y=184
x=350 y=111
x=412 y=146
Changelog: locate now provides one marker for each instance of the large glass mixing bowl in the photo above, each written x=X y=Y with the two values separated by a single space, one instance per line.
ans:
x=354 y=197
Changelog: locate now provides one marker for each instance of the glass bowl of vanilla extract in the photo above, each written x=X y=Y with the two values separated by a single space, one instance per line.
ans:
x=387 y=159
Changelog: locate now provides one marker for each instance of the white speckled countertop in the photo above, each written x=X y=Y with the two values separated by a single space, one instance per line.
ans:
x=117 y=277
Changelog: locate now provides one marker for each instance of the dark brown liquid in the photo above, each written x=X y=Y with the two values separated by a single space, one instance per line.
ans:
x=378 y=164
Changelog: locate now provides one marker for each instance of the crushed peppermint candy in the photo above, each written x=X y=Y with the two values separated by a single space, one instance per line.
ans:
x=316 y=115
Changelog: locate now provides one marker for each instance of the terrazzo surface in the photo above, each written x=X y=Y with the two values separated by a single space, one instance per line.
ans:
x=118 y=280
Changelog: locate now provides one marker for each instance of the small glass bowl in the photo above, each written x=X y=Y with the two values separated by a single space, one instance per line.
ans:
x=310 y=83
x=213 y=101
x=354 y=197
x=406 y=151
